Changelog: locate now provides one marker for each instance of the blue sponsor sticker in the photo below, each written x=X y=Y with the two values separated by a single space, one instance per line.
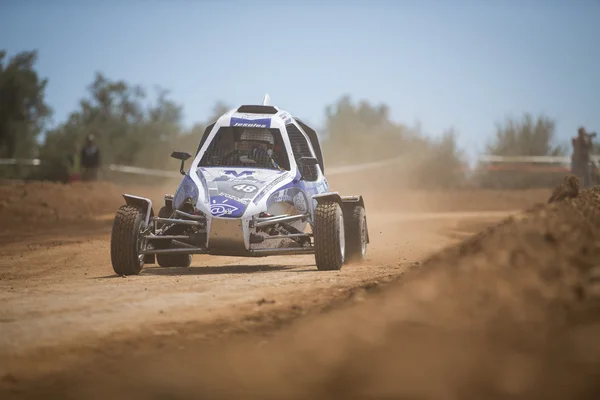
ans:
x=250 y=123
x=238 y=174
x=221 y=206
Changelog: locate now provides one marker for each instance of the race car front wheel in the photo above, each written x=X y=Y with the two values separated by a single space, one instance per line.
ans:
x=356 y=233
x=125 y=241
x=329 y=236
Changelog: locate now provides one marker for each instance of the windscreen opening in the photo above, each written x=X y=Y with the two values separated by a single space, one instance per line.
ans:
x=246 y=147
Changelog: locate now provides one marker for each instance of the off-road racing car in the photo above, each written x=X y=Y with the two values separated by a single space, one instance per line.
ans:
x=256 y=187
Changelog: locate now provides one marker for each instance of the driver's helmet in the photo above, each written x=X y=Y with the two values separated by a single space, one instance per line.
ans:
x=256 y=138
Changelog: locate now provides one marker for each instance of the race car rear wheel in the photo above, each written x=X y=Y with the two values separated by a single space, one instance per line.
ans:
x=356 y=233
x=171 y=260
x=329 y=236
x=125 y=241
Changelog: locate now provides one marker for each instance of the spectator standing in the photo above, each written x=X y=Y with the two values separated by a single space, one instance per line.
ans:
x=580 y=160
x=90 y=159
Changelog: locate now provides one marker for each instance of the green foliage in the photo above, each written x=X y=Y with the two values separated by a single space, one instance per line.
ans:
x=23 y=112
x=442 y=164
x=522 y=137
x=127 y=130
x=358 y=133
x=188 y=141
x=363 y=133
x=129 y=126
x=526 y=137
x=133 y=127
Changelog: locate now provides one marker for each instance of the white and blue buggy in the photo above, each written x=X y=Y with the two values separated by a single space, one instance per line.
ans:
x=256 y=187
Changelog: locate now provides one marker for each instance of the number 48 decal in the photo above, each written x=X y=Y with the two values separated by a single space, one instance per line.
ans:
x=244 y=188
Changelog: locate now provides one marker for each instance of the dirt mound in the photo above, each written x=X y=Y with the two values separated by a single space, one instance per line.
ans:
x=80 y=201
x=568 y=189
x=50 y=201
x=506 y=314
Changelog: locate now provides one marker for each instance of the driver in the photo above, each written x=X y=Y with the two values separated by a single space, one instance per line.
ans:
x=256 y=147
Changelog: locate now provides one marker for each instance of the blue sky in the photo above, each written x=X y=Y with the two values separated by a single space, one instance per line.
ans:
x=448 y=63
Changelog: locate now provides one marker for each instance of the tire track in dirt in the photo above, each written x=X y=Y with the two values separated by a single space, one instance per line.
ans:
x=71 y=291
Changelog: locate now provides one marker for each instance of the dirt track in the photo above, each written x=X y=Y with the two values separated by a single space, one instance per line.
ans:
x=456 y=329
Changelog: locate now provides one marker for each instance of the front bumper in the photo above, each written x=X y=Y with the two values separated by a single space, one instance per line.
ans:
x=228 y=235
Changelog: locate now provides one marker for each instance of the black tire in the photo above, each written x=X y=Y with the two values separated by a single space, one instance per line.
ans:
x=171 y=260
x=174 y=260
x=124 y=241
x=329 y=236
x=355 y=223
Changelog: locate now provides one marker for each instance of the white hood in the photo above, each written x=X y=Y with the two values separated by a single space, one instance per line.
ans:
x=231 y=190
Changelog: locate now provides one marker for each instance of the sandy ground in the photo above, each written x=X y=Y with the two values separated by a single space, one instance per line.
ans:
x=256 y=328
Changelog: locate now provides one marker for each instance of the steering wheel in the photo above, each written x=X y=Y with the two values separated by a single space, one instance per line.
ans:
x=236 y=156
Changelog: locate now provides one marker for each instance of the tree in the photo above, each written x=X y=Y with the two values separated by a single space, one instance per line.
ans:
x=219 y=109
x=364 y=133
x=23 y=111
x=127 y=130
x=522 y=137
x=442 y=164
x=189 y=140
x=360 y=132
x=526 y=137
